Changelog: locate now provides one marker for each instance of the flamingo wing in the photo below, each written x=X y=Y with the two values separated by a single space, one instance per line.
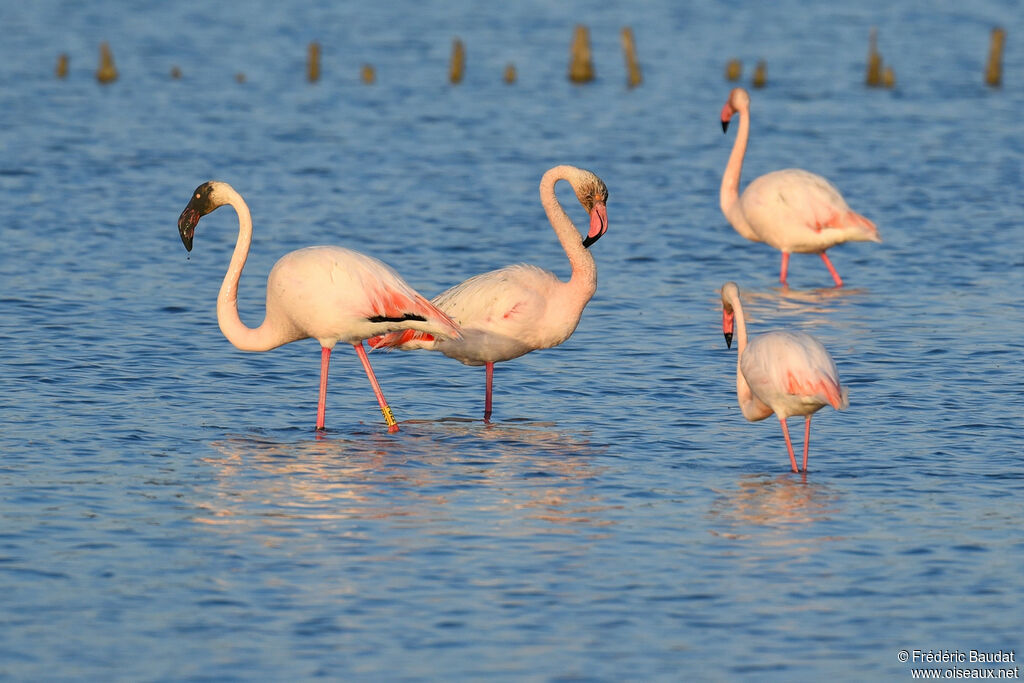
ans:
x=799 y=198
x=792 y=373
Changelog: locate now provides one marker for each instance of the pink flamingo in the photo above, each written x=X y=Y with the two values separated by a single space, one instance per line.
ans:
x=781 y=372
x=508 y=312
x=328 y=293
x=791 y=210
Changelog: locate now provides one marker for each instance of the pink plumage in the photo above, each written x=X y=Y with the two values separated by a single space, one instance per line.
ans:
x=784 y=373
x=327 y=293
x=511 y=311
x=792 y=210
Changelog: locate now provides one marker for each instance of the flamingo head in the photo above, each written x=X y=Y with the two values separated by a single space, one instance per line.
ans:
x=738 y=103
x=593 y=195
x=205 y=199
x=729 y=292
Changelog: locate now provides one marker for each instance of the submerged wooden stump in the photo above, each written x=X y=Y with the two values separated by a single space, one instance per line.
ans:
x=888 y=77
x=633 y=75
x=581 y=62
x=313 y=63
x=458 y=62
x=733 y=70
x=994 y=69
x=760 y=75
x=107 y=72
x=874 y=75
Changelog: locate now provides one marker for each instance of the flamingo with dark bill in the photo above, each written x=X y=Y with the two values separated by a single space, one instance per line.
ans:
x=327 y=293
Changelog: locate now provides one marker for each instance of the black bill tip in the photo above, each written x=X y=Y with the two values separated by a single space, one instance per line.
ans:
x=725 y=126
x=728 y=340
x=187 y=222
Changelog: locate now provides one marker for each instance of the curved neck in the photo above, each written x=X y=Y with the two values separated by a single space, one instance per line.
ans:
x=752 y=408
x=584 y=269
x=245 y=338
x=729 y=193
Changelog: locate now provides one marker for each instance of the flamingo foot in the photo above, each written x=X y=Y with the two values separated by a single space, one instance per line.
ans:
x=385 y=409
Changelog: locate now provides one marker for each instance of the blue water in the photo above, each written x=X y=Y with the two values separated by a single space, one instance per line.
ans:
x=168 y=513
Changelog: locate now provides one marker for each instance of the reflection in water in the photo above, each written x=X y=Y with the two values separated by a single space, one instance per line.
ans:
x=783 y=506
x=419 y=473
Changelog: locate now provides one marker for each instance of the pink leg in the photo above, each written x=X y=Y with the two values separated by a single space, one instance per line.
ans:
x=785 y=267
x=831 y=269
x=385 y=409
x=789 y=444
x=490 y=384
x=807 y=440
x=321 y=407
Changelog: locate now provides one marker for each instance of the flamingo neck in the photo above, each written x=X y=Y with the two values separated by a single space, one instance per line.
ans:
x=729 y=194
x=245 y=338
x=752 y=408
x=583 y=281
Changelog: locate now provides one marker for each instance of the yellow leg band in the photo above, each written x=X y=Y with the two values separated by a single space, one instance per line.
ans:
x=389 y=417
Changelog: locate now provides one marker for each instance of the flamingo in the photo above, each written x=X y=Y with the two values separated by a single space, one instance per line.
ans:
x=791 y=210
x=328 y=293
x=509 y=312
x=781 y=372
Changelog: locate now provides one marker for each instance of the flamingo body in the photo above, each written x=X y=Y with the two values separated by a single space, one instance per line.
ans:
x=792 y=210
x=508 y=312
x=784 y=373
x=327 y=293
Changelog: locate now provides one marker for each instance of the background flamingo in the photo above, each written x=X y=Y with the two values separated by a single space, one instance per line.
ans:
x=792 y=210
x=782 y=372
x=508 y=312
x=328 y=293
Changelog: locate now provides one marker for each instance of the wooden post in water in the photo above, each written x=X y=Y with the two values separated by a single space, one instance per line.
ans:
x=633 y=75
x=510 y=73
x=458 y=62
x=107 y=72
x=62 y=65
x=760 y=75
x=994 y=70
x=313 y=63
x=581 y=62
x=367 y=74
x=733 y=69
x=888 y=77
x=874 y=75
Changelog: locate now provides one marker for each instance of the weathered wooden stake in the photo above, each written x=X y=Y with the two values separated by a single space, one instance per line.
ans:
x=994 y=70
x=458 y=63
x=633 y=75
x=760 y=76
x=107 y=72
x=888 y=77
x=874 y=75
x=581 y=62
x=313 y=63
x=62 y=65
x=733 y=70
